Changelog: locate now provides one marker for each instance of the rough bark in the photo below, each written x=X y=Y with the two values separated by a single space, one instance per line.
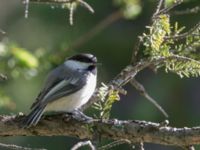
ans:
x=134 y=131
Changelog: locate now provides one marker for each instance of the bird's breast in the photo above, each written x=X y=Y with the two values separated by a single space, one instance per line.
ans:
x=75 y=100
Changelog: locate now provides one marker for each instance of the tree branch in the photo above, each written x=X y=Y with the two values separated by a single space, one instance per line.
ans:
x=190 y=148
x=160 y=5
x=130 y=71
x=139 y=146
x=62 y=2
x=51 y=1
x=194 y=10
x=114 y=144
x=134 y=131
x=167 y=9
x=184 y=35
x=139 y=87
x=15 y=147
x=84 y=143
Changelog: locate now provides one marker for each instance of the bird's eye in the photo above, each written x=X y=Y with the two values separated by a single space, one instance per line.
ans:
x=91 y=67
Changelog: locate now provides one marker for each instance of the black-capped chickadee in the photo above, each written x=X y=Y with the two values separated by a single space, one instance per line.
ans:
x=67 y=88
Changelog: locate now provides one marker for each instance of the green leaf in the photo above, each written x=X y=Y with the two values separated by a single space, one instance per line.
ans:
x=154 y=40
x=24 y=57
x=183 y=66
x=107 y=98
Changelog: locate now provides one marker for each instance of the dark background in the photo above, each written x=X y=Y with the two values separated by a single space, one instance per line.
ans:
x=47 y=30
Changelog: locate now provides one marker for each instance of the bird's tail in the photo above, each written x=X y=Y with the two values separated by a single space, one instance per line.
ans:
x=33 y=118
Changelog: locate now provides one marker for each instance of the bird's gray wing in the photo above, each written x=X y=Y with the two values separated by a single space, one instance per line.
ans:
x=60 y=82
x=64 y=88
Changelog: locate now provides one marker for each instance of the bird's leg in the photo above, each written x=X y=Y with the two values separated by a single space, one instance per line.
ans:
x=80 y=116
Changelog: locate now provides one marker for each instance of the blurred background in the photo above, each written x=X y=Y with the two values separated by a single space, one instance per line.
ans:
x=31 y=47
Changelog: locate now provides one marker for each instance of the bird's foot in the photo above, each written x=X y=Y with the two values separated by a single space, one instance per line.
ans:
x=80 y=116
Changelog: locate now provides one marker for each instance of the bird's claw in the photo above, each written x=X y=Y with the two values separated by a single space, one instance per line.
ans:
x=78 y=115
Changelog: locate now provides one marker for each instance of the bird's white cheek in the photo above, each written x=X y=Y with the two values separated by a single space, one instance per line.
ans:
x=75 y=100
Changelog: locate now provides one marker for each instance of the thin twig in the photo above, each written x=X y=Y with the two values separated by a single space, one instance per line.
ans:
x=144 y=93
x=15 y=147
x=141 y=146
x=26 y=3
x=71 y=7
x=50 y=1
x=114 y=144
x=83 y=143
x=184 y=35
x=167 y=9
x=71 y=13
x=191 y=147
x=136 y=50
x=86 y=5
x=161 y=3
x=194 y=10
x=82 y=2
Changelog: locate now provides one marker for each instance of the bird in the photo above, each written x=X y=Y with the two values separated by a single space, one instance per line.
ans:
x=67 y=87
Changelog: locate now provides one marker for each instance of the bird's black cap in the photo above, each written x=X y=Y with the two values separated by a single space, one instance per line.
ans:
x=83 y=57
